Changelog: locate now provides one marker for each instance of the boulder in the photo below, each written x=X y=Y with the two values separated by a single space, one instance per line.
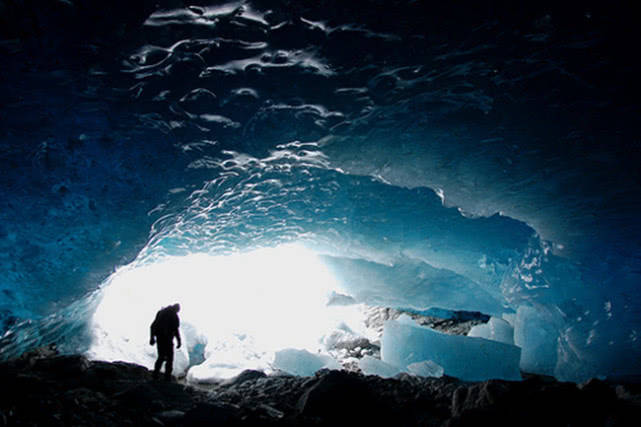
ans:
x=246 y=375
x=210 y=414
x=479 y=396
x=536 y=401
x=68 y=366
x=117 y=371
x=339 y=397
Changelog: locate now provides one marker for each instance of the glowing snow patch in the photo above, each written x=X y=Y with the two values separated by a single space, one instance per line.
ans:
x=240 y=308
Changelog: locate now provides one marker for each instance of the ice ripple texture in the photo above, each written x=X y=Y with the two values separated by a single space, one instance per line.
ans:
x=434 y=160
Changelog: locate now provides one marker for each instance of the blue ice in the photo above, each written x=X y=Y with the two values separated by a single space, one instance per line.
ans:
x=404 y=342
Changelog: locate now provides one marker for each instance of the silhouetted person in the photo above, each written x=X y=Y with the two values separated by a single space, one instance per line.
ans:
x=163 y=330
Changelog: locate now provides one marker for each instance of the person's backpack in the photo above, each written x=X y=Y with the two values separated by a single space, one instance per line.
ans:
x=162 y=324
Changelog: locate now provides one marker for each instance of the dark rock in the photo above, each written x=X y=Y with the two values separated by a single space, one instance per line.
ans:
x=117 y=370
x=62 y=366
x=170 y=417
x=599 y=394
x=62 y=390
x=246 y=375
x=143 y=395
x=338 y=396
x=271 y=411
x=84 y=398
x=357 y=343
x=21 y=382
x=459 y=323
x=210 y=414
x=537 y=401
x=31 y=356
x=479 y=396
x=630 y=392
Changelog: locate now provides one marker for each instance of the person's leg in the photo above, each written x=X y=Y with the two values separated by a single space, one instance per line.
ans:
x=164 y=355
x=170 y=361
x=159 y=360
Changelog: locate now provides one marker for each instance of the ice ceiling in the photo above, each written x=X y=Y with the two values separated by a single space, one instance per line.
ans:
x=481 y=158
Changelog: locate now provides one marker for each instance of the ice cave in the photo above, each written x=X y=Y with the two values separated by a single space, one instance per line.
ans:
x=289 y=170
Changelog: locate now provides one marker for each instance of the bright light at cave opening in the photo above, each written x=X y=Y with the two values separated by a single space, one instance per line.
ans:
x=236 y=311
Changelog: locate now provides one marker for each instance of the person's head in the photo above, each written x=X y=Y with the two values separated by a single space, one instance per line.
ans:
x=176 y=307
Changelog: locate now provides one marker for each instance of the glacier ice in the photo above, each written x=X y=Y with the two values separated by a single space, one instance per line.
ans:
x=538 y=338
x=302 y=362
x=426 y=368
x=471 y=359
x=411 y=283
x=373 y=366
x=495 y=329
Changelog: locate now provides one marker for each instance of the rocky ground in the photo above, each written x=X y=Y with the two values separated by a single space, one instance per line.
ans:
x=57 y=390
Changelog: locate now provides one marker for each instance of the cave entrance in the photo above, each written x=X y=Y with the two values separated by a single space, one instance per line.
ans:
x=238 y=310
